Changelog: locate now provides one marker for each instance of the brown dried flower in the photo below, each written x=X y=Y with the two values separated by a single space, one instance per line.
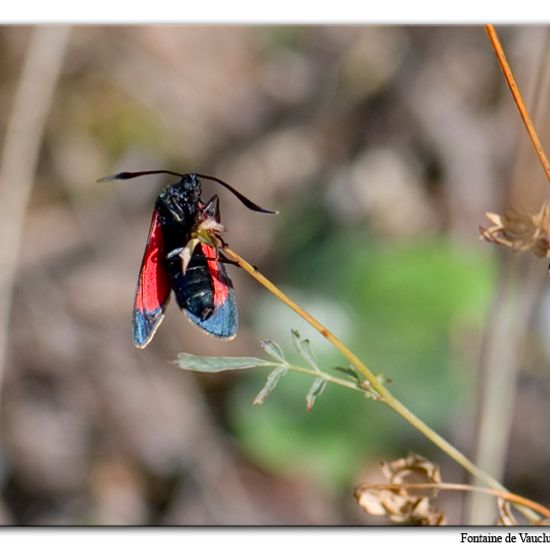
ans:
x=520 y=231
x=398 y=499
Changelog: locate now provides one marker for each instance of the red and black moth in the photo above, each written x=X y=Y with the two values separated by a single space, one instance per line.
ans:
x=177 y=259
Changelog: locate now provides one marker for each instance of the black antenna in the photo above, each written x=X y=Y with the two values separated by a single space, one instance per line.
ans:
x=247 y=202
x=129 y=175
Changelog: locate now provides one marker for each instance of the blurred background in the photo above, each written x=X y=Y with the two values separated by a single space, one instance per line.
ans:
x=382 y=148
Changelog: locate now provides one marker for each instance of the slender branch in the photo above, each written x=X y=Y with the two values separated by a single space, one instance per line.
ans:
x=385 y=395
x=518 y=99
x=505 y=495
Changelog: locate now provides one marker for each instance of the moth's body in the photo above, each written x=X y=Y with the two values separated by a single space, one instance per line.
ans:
x=178 y=206
x=203 y=290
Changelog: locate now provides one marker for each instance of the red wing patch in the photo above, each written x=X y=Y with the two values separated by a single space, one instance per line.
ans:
x=153 y=288
x=220 y=280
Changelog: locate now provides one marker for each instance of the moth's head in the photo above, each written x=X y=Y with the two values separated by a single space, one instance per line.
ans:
x=190 y=186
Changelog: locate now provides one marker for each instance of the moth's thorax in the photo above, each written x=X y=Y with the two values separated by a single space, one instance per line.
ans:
x=180 y=201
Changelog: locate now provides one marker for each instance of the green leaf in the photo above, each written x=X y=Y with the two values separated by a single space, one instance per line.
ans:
x=350 y=372
x=272 y=380
x=304 y=349
x=315 y=390
x=200 y=363
x=273 y=349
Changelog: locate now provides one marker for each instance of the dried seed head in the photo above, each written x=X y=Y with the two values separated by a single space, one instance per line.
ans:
x=520 y=231
x=398 y=499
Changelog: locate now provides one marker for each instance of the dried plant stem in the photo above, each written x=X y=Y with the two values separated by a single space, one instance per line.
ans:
x=385 y=395
x=513 y=304
x=510 y=497
x=518 y=99
x=19 y=155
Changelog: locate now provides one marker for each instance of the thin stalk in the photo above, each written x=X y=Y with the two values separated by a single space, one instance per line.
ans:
x=318 y=374
x=385 y=395
x=518 y=99
x=327 y=377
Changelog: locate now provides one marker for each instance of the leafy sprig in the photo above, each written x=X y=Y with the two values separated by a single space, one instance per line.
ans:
x=280 y=366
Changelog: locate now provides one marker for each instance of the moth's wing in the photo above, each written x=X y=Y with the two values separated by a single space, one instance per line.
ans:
x=153 y=287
